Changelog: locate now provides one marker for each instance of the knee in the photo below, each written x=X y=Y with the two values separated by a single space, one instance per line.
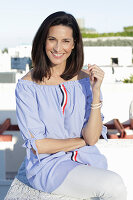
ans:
x=117 y=188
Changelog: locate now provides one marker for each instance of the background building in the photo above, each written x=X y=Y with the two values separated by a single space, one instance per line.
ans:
x=103 y=56
x=14 y=63
x=81 y=22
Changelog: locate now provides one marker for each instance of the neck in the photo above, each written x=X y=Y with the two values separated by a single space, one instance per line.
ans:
x=57 y=70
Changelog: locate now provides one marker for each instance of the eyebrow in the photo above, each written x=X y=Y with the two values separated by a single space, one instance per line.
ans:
x=51 y=36
x=55 y=37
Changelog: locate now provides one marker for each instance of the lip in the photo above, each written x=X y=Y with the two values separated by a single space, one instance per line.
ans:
x=57 y=55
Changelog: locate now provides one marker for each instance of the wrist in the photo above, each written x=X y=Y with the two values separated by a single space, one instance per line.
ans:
x=81 y=142
x=96 y=92
x=96 y=97
x=96 y=106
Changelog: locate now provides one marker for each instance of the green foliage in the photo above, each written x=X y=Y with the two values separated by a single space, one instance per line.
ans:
x=118 y=42
x=95 y=35
x=88 y=30
x=91 y=33
x=5 y=50
x=130 y=80
x=128 y=29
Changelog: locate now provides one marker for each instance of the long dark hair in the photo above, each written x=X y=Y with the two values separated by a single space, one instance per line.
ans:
x=40 y=61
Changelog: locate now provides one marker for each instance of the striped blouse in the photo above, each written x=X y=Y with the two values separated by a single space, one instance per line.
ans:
x=58 y=112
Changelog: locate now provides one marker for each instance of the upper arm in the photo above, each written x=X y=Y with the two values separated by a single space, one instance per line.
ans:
x=27 y=111
x=29 y=122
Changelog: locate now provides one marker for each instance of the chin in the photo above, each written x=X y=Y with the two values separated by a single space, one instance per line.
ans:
x=57 y=62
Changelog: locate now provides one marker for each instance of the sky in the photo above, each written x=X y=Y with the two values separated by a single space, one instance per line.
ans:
x=20 y=19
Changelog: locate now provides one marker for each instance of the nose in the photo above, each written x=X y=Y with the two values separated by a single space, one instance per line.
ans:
x=58 y=46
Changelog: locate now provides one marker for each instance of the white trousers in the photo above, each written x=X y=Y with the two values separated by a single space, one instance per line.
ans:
x=87 y=182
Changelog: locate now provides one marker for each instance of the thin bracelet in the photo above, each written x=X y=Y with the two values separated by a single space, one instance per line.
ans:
x=96 y=104
x=96 y=107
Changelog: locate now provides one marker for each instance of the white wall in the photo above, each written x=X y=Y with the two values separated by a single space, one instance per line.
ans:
x=5 y=62
x=116 y=100
x=102 y=55
x=120 y=73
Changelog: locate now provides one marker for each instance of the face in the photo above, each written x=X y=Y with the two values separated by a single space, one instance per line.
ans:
x=59 y=44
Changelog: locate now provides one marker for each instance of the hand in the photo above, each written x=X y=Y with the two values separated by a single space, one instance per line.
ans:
x=96 y=76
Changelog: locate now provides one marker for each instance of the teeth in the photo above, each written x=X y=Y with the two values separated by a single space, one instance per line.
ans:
x=59 y=54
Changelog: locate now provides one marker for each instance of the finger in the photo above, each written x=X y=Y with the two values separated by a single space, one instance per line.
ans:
x=97 y=71
x=96 y=67
x=90 y=67
x=97 y=77
x=93 y=73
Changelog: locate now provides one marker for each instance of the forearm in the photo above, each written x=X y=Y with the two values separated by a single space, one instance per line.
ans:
x=92 y=130
x=49 y=146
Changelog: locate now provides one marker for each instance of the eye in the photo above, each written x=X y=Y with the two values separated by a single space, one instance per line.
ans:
x=51 y=39
x=66 y=41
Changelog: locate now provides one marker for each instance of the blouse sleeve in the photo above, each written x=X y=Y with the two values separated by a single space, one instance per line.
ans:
x=28 y=116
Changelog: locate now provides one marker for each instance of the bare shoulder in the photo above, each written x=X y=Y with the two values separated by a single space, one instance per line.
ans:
x=28 y=76
x=83 y=74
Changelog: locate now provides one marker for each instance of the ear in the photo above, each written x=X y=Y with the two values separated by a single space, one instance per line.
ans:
x=73 y=45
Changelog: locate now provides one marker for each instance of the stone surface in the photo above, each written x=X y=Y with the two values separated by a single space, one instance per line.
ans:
x=20 y=191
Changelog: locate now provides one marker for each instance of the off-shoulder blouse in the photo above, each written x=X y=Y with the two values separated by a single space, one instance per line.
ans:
x=58 y=112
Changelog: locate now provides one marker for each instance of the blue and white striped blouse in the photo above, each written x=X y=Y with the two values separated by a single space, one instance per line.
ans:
x=58 y=112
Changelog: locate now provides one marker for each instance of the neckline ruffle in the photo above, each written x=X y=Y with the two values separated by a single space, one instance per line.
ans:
x=76 y=82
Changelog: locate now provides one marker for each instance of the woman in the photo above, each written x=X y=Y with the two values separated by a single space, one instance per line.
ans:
x=58 y=112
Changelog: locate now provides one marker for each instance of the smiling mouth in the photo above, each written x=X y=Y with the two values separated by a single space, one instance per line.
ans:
x=57 y=55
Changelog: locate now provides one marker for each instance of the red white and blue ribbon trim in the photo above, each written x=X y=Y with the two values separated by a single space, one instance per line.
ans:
x=74 y=155
x=64 y=100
